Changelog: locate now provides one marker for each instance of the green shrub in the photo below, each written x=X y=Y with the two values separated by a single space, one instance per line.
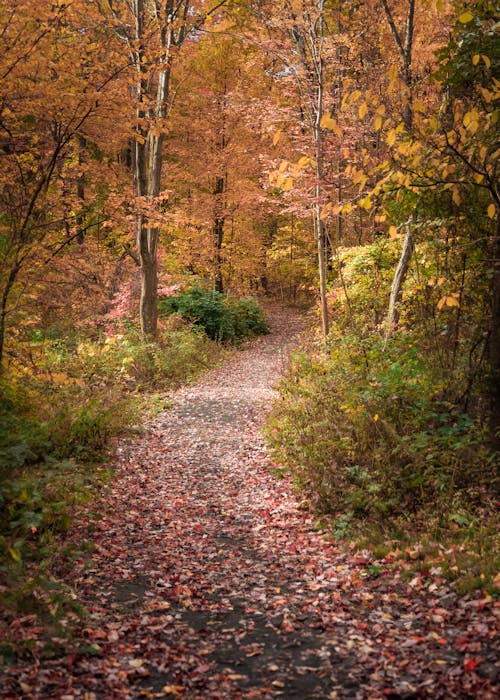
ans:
x=223 y=319
x=367 y=430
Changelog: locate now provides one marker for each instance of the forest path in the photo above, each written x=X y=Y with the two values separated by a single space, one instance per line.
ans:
x=210 y=582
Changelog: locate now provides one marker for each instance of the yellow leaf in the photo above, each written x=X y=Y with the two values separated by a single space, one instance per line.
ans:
x=337 y=131
x=375 y=417
x=478 y=177
x=14 y=554
x=303 y=161
x=325 y=121
x=393 y=232
x=475 y=59
x=491 y=211
x=466 y=17
x=355 y=95
x=391 y=137
x=456 y=197
x=487 y=95
x=363 y=110
x=366 y=203
x=287 y=185
x=277 y=137
x=377 y=123
x=325 y=211
x=486 y=60
x=283 y=166
x=331 y=124
x=449 y=300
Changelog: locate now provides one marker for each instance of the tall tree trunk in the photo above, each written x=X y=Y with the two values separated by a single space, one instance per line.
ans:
x=494 y=343
x=319 y=227
x=218 y=232
x=404 y=45
x=148 y=158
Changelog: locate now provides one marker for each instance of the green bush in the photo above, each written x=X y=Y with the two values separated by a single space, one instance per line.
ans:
x=367 y=431
x=223 y=319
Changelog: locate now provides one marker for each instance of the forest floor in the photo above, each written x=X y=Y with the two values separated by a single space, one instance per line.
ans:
x=210 y=580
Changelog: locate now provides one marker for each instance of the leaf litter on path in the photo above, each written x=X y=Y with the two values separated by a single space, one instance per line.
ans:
x=209 y=581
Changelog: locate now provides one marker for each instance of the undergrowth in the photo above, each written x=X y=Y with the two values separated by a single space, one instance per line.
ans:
x=58 y=420
x=377 y=432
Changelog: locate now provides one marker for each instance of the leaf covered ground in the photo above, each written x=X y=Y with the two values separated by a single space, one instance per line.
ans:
x=209 y=580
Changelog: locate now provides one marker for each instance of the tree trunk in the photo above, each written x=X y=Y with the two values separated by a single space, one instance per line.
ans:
x=3 y=307
x=494 y=345
x=148 y=304
x=80 y=193
x=218 y=233
x=398 y=281
x=322 y=264
x=319 y=227
x=147 y=155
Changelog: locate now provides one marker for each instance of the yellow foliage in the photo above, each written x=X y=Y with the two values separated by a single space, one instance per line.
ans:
x=391 y=137
x=331 y=124
x=363 y=110
x=325 y=211
x=466 y=17
x=449 y=300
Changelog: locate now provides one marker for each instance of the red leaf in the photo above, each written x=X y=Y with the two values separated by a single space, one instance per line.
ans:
x=470 y=665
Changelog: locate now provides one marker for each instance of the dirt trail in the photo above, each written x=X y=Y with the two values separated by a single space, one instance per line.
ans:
x=209 y=581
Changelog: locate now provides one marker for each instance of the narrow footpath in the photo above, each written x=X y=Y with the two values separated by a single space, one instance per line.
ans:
x=209 y=580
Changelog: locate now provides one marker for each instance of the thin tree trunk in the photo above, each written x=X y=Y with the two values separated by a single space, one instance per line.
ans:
x=218 y=233
x=494 y=345
x=319 y=228
x=3 y=308
x=80 y=193
x=404 y=45
x=398 y=280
